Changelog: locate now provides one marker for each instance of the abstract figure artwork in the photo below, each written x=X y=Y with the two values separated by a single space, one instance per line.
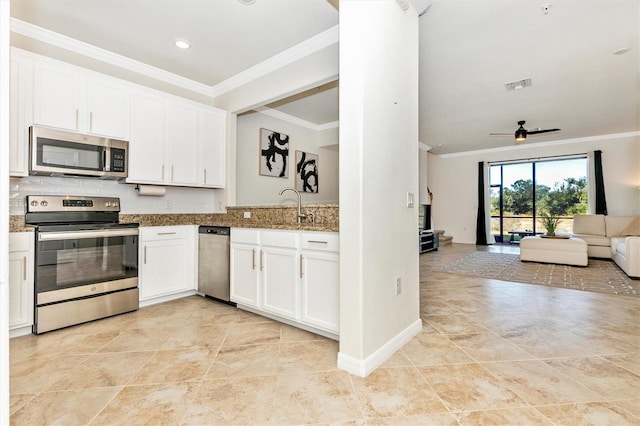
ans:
x=274 y=152
x=306 y=172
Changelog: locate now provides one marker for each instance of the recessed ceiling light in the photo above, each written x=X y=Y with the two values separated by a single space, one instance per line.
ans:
x=621 y=51
x=182 y=43
x=247 y=2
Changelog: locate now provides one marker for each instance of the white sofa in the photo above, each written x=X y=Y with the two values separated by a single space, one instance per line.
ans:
x=611 y=237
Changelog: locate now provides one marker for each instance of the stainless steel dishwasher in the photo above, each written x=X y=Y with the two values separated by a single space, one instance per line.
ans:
x=213 y=262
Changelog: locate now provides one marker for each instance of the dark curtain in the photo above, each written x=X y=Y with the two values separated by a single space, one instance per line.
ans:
x=481 y=227
x=601 y=201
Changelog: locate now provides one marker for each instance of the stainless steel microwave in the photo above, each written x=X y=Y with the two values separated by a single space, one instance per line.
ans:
x=56 y=152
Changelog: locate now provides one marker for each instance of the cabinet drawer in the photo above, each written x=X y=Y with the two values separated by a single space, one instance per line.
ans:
x=320 y=241
x=245 y=236
x=157 y=233
x=20 y=241
x=287 y=239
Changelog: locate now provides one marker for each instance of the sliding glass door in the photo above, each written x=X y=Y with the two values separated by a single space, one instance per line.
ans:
x=522 y=192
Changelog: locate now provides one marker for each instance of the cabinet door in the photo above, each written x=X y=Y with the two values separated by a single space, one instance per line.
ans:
x=57 y=100
x=21 y=249
x=183 y=139
x=244 y=274
x=320 y=277
x=108 y=110
x=164 y=268
x=147 y=139
x=213 y=142
x=20 y=115
x=280 y=281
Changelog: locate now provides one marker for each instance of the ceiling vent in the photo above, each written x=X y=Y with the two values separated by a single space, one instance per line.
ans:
x=517 y=85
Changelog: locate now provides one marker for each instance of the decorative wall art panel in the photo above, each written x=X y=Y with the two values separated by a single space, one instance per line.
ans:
x=274 y=153
x=306 y=172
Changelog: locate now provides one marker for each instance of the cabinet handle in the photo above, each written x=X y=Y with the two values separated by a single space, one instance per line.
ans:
x=253 y=259
x=162 y=172
x=301 y=273
x=24 y=268
x=166 y=233
x=145 y=255
x=77 y=118
x=317 y=242
x=91 y=121
x=171 y=173
x=205 y=175
x=261 y=260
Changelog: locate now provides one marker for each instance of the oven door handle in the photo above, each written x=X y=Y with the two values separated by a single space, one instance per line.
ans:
x=77 y=235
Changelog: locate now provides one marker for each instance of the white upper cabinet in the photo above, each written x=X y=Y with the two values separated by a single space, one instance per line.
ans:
x=147 y=138
x=108 y=107
x=183 y=136
x=71 y=98
x=176 y=142
x=213 y=134
x=57 y=96
x=21 y=114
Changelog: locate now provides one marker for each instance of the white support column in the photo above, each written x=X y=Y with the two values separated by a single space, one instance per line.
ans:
x=378 y=171
x=4 y=212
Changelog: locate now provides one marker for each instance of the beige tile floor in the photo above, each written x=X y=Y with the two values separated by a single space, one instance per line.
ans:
x=491 y=353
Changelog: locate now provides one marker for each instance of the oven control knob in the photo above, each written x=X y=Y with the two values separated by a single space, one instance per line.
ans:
x=115 y=204
x=43 y=203
x=34 y=203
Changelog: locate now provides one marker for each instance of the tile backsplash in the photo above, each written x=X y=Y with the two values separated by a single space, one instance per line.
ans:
x=176 y=200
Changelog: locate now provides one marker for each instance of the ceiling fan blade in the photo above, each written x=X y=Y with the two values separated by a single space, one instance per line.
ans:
x=501 y=134
x=535 y=132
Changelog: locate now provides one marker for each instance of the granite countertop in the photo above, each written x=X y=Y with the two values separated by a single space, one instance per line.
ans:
x=263 y=217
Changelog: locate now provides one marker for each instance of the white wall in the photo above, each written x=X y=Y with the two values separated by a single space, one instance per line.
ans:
x=378 y=167
x=453 y=179
x=253 y=189
x=4 y=212
x=176 y=200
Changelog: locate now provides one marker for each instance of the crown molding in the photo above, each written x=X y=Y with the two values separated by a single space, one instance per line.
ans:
x=611 y=136
x=312 y=45
x=94 y=52
x=274 y=113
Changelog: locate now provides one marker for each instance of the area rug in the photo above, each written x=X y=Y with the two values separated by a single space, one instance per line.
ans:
x=602 y=276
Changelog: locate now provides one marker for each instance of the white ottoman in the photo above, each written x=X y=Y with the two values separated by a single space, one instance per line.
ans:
x=566 y=251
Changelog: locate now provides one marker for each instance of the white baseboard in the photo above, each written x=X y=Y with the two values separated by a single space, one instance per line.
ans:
x=17 y=332
x=364 y=367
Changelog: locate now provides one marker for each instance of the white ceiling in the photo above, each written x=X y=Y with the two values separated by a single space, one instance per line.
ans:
x=468 y=51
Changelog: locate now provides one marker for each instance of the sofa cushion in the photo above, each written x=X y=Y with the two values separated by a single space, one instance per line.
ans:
x=619 y=245
x=594 y=240
x=589 y=224
x=617 y=224
x=633 y=229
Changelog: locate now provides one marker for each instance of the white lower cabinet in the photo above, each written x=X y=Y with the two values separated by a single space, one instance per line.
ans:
x=289 y=275
x=166 y=261
x=21 y=257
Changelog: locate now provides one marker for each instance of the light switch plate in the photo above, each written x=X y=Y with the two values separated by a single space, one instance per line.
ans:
x=410 y=200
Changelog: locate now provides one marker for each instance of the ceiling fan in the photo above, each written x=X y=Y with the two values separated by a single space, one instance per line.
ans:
x=521 y=133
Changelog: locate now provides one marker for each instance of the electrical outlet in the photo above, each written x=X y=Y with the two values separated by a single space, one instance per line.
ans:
x=168 y=204
x=247 y=215
x=398 y=285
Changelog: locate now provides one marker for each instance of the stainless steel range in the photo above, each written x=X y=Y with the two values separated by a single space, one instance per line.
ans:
x=86 y=262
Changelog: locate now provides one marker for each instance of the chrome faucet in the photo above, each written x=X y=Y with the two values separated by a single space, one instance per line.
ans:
x=300 y=214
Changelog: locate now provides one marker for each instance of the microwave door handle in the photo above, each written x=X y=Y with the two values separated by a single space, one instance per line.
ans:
x=105 y=158
x=77 y=235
